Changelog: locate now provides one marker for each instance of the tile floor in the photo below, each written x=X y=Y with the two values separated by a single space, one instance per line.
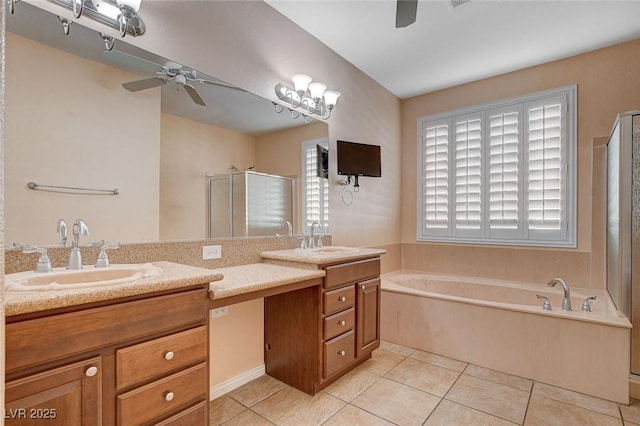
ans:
x=404 y=386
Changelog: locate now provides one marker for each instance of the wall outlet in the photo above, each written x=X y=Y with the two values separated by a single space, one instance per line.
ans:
x=211 y=252
x=220 y=312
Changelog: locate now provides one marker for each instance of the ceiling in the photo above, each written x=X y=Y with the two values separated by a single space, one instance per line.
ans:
x=448 y=46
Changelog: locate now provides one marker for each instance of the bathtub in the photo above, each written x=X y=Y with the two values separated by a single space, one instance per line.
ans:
x=501 y=325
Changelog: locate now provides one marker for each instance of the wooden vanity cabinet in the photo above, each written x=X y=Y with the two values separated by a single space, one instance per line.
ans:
x=136 y=361
x=315 y=335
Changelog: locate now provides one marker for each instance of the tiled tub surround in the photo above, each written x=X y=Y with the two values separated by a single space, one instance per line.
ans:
x=505 y=328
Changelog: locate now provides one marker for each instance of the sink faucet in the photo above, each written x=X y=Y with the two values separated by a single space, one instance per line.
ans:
x=289 y=228
x=75 y=258
x=311 y=238
x=62 y=230
x=566 y=302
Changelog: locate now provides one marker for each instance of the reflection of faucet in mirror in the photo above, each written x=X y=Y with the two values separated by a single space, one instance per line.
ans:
x=75 y=258
x=312 y=243
x=62 y=230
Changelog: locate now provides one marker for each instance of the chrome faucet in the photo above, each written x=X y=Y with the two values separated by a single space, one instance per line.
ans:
x=566 y=302
x=75 y=258
x=312 y=243
x=62 y=230
x=289 y=228
x=44 y=264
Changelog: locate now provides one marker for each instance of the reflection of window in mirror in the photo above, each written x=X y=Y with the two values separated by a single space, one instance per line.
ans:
x=315 y=189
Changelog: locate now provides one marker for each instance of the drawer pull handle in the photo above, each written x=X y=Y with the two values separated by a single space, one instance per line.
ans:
x=343 y=323
x=342 y=298
x=91 y=371
x=168 y=396
x=169 y=355
x=342 y=352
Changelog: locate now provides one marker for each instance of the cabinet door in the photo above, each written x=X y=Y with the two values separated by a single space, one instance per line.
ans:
x=69 y=395
x=368 y=312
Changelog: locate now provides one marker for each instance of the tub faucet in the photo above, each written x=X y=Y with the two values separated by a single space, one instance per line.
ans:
x=566 y=302
x=75 y=258
x=311 y=238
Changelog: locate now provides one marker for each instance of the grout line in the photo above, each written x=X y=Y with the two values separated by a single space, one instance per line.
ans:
x=526 y=411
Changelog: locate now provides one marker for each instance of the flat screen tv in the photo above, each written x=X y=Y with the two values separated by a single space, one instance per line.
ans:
x=358 y=159
x=322 y=161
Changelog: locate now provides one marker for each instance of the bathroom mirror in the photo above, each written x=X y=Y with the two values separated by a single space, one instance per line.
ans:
x=70 y=122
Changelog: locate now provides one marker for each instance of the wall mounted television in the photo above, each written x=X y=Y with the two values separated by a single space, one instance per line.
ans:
x=358 y=159
x=322 y=161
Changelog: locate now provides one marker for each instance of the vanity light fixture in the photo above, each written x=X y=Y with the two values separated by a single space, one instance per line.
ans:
x=308 y=95
x=119 y=14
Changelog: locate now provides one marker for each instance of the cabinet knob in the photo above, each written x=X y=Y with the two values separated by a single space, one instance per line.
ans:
x=168 y=396
x=343 y=323
x=91 y=371
x=342 y=352
x=169 y=355
x=363 y=287
x=342 y=298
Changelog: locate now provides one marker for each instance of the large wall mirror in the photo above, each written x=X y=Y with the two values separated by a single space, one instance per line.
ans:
x=70 y=122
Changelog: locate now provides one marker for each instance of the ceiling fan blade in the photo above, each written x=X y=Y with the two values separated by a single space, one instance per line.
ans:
x=147 y=83
x=128 y=59
x=194 y=94
x=406 y=12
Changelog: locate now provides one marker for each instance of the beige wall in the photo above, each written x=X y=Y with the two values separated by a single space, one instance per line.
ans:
x=607 y=84
x=77 y=128
x=190 y=150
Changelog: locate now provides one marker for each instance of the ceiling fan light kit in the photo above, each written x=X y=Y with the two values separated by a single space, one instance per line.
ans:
x=307 y=94
x=121 y=15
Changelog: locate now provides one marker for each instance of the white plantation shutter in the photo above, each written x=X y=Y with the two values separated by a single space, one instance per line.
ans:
x=546 y=165
x=503 y=173
x=468 y=175
x=315 y=190
x=436 y=177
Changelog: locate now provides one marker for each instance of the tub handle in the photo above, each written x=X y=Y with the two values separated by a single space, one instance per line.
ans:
x=546 y=305
x=585 y=305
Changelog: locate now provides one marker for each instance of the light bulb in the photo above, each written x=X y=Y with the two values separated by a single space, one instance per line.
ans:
x=331 y=98
x=317 y=90
x=133 y=4
x=301 y=82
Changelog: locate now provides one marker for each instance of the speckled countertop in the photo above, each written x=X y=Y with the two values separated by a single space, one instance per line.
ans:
x=173 y=276
x=324 y=256
x=257 y=276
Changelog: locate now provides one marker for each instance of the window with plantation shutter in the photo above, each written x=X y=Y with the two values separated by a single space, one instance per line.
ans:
x=501 y=173
x=315 y=189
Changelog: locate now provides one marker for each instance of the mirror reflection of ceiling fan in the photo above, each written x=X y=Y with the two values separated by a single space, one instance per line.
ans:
x=406 y=11
x=169 y=73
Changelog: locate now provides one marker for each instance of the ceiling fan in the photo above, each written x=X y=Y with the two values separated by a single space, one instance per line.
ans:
x=406 y=11
x=169 y=73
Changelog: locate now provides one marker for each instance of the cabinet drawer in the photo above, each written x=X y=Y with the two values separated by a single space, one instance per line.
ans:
x=339 y=300
x=352 y=272
x=35 y=341
x=194 y=416
x=149 y=359
x=339 y=353
x=163 y=396
x=338 y=323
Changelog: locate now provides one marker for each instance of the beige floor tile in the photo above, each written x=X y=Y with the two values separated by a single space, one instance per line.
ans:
x=499 y=377
x=223 y=409
x=247 y=418
x=426 y=377
x=440 y=361
x=256 y=390
x=631 y=424
x=381 y=362
x=354 y=416
x=581 y=400
x=396 y=348
x=396 y=402
x=548 y=412
x=352 y=384
x=293 y=407
x=631 y=413
x=492 y=398
x=449 y=413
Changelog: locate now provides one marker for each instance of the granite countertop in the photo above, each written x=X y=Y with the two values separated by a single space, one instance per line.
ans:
x=257 y=276
x=322 y=256
x=173 y=276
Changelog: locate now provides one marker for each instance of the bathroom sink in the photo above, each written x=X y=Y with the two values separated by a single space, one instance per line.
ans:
x=335 y=250
x=88 y=276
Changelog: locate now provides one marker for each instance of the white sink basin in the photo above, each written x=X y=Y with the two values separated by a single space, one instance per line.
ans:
x=335 y=250
x=88 y=276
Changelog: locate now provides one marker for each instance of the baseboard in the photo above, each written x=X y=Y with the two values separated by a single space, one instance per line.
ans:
x=634 y=386
x=216 y=391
